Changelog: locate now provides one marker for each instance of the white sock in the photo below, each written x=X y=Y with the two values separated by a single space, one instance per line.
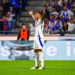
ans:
x=41 y=59
x=36 y=59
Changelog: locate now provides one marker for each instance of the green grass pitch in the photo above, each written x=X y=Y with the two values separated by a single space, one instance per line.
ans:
x=23 y=68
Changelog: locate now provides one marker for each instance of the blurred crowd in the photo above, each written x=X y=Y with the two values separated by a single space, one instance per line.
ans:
x=10 y=10
x=59 y=16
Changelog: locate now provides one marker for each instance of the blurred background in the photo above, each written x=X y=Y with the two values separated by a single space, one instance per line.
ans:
x=59 y=16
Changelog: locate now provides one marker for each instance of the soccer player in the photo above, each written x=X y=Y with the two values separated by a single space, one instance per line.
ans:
x=39 y=39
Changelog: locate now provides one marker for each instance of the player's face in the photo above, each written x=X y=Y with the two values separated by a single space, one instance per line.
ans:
x=24 y=27
x=37 y=16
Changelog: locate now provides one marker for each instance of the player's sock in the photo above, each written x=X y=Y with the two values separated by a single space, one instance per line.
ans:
x=36 y=59
x=41 y=59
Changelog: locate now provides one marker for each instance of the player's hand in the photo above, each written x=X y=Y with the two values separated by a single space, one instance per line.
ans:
x=31 y=13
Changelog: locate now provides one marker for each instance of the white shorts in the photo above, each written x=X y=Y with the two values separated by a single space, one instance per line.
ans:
x=38 y=43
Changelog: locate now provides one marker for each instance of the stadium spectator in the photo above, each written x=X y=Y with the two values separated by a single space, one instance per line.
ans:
x=66 y=14
x=73 y=6
x=1 y=11
x=52 y=28
x=0 y=2
x=11 y=13
x=57 y=7
x=65 y=27
x=54 y=12
x=5 y=5
x=59 y=23
x=74 y=18
x=71 y=26
x=1 y=24
x=52 y=19
x=24 y=3
x=27 y=23
x=57 y=12
x=9 y=18
x=11 y=9
x=46 y=11
x=46 y=25
x=51 y=2
x=23 y=34
x=49 y=8
x=60 y=3
x=16 y=6
x=65 y=2
x=5 y=24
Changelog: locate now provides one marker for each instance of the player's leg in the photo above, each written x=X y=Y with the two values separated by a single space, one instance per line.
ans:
x=41 y=53
x=41 y=60
x=36 y=60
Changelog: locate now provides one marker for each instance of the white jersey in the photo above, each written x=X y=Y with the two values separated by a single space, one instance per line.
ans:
x=70 y=13
x=71 y=26
x=39 y=37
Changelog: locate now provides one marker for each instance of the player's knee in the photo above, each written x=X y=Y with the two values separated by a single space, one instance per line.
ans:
x=41 y=55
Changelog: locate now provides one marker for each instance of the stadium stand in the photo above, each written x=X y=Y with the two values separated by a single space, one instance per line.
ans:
x=59 y=16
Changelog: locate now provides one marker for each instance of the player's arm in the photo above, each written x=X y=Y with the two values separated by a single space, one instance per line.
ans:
x=43 y=14
x=31 y=13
